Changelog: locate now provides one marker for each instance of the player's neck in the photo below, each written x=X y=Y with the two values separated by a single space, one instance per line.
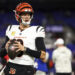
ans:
x=23 y=27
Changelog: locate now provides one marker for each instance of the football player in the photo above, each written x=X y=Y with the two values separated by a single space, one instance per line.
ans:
x=32 y=46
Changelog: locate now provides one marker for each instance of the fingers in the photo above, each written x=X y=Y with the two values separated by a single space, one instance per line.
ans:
x=43 y=54
x=7 y=44
x=19 y=46
x=17 y=42
x=18 y=50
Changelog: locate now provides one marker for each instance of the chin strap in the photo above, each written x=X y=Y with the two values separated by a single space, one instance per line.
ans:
x=26 y=23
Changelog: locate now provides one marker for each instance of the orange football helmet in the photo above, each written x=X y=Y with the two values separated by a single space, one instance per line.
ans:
x=23 y=8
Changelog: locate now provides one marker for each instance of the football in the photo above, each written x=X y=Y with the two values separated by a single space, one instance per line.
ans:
x=12 y=50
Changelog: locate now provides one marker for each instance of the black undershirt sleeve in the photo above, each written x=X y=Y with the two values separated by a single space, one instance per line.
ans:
x=33 y=53
x=3 y=51
x=39 y=42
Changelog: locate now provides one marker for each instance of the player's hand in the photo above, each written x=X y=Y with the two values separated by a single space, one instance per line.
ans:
x=19 y=46
x=43 y=55
x=7 y=45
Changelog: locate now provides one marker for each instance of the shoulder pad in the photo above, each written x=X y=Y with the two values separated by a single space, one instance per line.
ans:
x=39 y=29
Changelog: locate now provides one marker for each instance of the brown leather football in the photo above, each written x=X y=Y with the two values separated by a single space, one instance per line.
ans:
x=12 y=50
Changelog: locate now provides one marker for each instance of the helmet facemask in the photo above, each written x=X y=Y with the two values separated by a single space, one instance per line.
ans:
x=26 y=22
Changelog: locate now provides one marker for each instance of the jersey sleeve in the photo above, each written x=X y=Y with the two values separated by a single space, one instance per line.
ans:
x=8 y=29
x=40 y=31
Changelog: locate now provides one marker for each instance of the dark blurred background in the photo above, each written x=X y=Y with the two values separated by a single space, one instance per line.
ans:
x=57 y=16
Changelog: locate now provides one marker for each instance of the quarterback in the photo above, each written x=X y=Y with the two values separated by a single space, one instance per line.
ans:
x=32 y=46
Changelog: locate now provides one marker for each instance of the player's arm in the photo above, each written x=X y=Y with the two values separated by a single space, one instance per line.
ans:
x=3 y=51
x=40 y=53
